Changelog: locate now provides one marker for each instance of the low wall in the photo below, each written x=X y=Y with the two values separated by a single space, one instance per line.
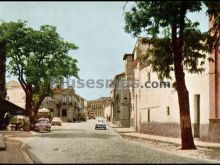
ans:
x=171 y=130
x=162 y=129
x=214 y=130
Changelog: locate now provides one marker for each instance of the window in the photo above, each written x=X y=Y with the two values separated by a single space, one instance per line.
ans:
x=64 y=113
x=148 y=115
x=168 y=110
x=64 y=99
x=70 y=99
x=148 y=76
x=67 y=99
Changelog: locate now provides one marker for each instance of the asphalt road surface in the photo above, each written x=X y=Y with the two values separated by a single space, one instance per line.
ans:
x=81 y=143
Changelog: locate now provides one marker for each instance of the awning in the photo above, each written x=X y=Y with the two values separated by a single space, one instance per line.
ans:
x=44 y=110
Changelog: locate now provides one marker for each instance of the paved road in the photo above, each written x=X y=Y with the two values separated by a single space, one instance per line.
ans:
x=81 y=143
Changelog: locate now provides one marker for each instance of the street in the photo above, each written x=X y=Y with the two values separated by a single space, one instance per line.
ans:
x=148 y=70
x=81 y=143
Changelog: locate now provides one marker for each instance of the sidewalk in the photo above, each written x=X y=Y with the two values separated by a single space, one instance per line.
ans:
x=2 y=143
x=131 y=133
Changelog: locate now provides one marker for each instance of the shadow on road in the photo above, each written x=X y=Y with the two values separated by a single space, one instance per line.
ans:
x=78 y=135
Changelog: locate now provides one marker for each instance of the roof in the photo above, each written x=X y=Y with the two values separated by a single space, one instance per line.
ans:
x=126 y=55
x=13 y=83
x=115 y=77
x=99 y=99
x=7 y=106
x=140 y=40
x=59 y=89
x=120 y=74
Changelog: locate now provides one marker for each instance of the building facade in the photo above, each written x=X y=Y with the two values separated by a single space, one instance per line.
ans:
x=65 y=103
x=107 y=109
x=121 y=106
x=154 y=107
x=96 y=106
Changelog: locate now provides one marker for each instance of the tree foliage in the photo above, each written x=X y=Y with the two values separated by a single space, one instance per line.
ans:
x=37 y=56
x=151 y=18
x=213 y=12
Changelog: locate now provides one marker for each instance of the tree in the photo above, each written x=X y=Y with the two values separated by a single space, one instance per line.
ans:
x=2 y=69
x=214 y=18
x=182 y=48
x=3 y=38
x=36 y=56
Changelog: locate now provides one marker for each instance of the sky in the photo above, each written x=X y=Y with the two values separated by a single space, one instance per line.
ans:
x=97 y=28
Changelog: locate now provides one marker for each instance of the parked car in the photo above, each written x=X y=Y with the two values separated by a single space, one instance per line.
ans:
x=43 y=124
x=56 y=121
x=100 y=123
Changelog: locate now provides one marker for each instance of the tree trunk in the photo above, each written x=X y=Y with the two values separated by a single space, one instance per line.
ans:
x=29 y=98
x=3 y=92
x=28 y=105
x=187 y=140
x=28 y=110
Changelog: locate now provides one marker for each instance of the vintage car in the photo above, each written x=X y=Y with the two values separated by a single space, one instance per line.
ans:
x=100 y=123
x=56 y=121
x=43 y=124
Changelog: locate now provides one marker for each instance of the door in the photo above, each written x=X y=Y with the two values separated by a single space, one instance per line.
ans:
x=197 y=116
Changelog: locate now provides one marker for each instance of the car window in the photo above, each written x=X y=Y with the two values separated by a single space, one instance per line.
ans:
x=100 y=121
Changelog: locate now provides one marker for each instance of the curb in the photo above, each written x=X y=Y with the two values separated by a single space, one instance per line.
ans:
x=32 y=156
x=115 y=131
x=169 y=142
x=179 y=155
x=154 y=140
x=26 y=155
x=123 y=134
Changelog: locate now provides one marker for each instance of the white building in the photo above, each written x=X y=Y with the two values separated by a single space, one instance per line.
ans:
x=154 y=105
